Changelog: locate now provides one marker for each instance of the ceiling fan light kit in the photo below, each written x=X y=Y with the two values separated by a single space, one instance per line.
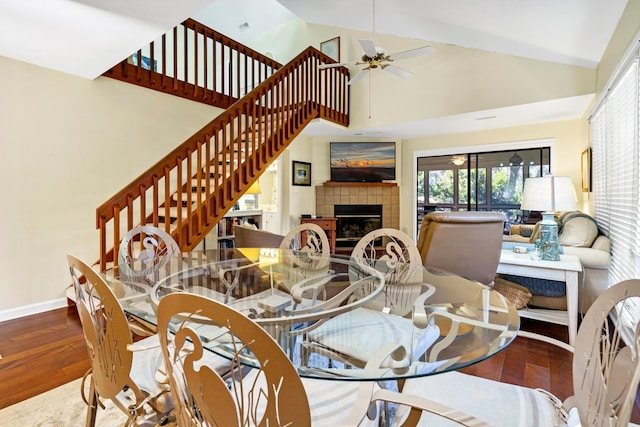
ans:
x=377 y=58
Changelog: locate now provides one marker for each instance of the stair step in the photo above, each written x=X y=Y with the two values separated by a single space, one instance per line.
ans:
x=251 y=138
x=202 y=183
x=173 y=212
x=194 y=197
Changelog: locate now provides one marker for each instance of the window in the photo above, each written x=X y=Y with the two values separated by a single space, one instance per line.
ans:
x=478 y=181
x=615 y=147
x=615 y=155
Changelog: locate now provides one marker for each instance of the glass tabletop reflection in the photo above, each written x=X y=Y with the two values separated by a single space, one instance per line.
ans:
x=336 y=317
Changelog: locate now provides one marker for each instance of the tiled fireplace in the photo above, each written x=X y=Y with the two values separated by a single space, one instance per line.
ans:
x=386 y=195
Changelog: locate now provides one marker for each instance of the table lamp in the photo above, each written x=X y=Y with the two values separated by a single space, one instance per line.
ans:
x=254 y=190
x=549 y=194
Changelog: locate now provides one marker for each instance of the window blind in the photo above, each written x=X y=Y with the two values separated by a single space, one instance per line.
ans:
x=615 y=148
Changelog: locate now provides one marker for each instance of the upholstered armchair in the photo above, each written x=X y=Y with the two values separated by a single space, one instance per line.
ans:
x=466 y=243
x=246 y=237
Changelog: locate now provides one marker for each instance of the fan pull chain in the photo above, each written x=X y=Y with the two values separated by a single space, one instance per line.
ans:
x=369 y=92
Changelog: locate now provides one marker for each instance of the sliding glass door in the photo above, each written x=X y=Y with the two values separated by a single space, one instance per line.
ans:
x=489 y=181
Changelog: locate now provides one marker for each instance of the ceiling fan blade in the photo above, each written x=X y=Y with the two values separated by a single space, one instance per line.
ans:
x=341 y=64
x=369 y=47
x=358 y=76
x=397 y=71
x=425 y=50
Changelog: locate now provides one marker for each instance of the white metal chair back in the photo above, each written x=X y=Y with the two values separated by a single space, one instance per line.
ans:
x=144 y=250
x=606 y=372
x=308 y=238
x=394 y=254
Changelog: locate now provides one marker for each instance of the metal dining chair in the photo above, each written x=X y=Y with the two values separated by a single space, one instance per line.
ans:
x=606 y=373
x=389 y=317
x=121 y=371
x=143 y=251
x=310 y=245
x=270 y=393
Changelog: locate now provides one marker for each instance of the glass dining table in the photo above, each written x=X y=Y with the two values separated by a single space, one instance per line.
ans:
x=336 y=317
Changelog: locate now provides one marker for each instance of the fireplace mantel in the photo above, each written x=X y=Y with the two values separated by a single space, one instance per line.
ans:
x=359 y=184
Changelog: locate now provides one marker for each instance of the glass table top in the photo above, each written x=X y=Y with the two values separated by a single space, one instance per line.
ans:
x=337 y=317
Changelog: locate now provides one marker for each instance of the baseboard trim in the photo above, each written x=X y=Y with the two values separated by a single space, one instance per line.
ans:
x=27 y=310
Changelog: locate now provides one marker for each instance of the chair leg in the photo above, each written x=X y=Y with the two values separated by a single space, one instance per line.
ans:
x=92 y=405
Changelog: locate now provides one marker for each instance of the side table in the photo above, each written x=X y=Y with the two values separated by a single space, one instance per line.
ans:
x=329 y=227
x=566 y=270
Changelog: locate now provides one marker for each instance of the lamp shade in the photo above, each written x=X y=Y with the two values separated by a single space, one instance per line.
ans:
x=254 y=188
x=549 y=193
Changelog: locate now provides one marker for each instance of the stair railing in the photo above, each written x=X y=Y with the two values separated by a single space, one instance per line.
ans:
x=195 y=62
x=188 y=191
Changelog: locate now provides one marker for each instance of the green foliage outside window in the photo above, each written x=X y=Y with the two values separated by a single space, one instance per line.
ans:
x=481 y=184
x=506 y=185
x=441 y=186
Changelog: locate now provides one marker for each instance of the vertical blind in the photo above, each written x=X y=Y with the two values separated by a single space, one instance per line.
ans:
x=615 y=147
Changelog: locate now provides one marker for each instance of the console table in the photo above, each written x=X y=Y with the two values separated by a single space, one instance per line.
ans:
x=329 y=227
x=566 y=270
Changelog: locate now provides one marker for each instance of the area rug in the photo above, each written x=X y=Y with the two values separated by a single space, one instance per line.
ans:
x=60 y=407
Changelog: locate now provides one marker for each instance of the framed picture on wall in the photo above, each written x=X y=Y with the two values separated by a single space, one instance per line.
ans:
x=586 y=170
x=300 y=173
x=331 y=48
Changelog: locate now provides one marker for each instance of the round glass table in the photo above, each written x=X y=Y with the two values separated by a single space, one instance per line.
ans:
x=337 y=317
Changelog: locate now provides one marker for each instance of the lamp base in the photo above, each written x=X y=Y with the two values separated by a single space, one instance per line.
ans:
x=550 y=250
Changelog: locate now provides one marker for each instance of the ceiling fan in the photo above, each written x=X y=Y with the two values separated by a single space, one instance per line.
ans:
x=376 y=57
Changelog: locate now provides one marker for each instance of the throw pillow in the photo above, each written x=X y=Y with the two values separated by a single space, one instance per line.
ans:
x=578 y=231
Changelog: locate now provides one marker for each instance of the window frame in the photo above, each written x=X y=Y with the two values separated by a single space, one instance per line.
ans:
x=473 y=149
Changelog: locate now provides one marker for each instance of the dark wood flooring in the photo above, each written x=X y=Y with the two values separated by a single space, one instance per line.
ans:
x=43 y=351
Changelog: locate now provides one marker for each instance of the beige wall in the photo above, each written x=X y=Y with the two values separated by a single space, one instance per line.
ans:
x=569 y=140
x=67 y=144
x=628 y=28
x=298 y=199
x=451 y=80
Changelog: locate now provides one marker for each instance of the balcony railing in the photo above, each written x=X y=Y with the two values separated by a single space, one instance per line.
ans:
x=195 y=62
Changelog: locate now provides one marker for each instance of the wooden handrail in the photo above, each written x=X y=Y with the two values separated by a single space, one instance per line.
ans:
x=195 y=62
x=189 y=190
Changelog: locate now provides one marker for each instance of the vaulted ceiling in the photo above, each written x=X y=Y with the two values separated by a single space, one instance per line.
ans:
x=87 y=37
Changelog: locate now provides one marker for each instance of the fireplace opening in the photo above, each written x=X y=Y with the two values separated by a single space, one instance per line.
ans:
x=354 y=221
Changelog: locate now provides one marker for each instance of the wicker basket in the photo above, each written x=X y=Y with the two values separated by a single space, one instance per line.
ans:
x=517 y=294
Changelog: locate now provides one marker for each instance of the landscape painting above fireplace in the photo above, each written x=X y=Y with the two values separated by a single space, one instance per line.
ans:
x=363 y=161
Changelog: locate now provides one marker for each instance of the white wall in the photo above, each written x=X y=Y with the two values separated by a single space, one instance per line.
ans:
x=67 y=145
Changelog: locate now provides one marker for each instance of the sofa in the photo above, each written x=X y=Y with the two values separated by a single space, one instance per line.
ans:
x=578 y=234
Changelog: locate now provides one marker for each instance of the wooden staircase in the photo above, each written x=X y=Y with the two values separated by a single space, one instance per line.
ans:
x=188 y=191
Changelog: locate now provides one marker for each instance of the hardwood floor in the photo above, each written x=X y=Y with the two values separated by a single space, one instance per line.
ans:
x=40 y=352
x=47 y=350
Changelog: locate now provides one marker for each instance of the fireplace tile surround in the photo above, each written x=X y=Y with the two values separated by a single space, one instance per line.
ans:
x=330 y=194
